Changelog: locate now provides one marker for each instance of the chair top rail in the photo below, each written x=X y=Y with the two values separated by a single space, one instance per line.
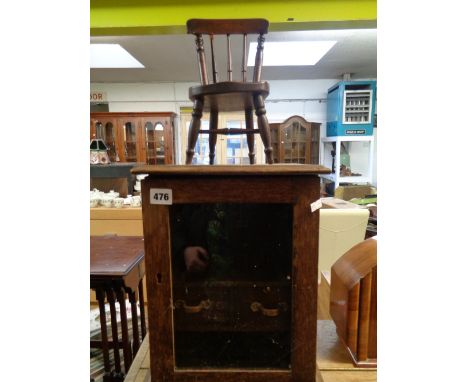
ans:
x=227 y=26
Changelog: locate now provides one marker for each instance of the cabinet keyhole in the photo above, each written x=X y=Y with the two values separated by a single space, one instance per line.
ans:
x=159 y=277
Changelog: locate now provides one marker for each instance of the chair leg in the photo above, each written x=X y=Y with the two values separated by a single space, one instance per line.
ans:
x=249 y=125
x=194 y=130
x=213 y=137
x=263 y=126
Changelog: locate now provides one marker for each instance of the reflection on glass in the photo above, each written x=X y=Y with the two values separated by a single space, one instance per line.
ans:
x=154 y=136
x=231 y=267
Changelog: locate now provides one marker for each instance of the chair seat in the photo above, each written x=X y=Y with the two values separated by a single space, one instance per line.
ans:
x=229 y=96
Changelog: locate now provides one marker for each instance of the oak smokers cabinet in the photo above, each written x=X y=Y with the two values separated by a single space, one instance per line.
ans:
x=245 y=310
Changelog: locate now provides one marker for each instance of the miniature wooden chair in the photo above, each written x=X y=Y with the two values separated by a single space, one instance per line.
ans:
x=229 y=95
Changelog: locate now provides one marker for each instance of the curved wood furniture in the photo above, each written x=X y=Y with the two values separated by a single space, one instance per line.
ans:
x=229 y=95
x=353 y=301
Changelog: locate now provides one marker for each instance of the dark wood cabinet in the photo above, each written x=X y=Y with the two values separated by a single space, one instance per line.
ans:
x=295 y=141
x=136 y=137
x=248 y=313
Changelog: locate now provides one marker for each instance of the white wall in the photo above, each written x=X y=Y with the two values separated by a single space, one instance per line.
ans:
x=306 y=98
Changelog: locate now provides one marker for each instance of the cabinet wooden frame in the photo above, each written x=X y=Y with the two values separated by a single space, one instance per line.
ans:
x=139 y=120
x=294 y=185
x=312 y=139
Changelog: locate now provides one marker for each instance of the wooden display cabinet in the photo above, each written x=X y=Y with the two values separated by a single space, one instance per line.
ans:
x=295 y=141
x=136 y=137
x=246 y=309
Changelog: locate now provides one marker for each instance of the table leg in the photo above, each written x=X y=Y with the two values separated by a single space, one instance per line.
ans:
x=123 y=322
x=136 y=335
x=142 y=309
x=115 y=334
x=100 y=296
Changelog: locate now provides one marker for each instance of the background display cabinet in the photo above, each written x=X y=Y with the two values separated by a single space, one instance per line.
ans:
x=231 y=261
x=136 y=137
x=351 y=108
x=295 y=141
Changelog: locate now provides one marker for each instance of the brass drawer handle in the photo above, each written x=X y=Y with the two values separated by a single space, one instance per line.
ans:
x=269 y=312
x=204 y=305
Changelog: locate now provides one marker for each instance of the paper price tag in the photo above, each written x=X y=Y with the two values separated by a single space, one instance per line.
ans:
x=316 y=205
x=160 y=196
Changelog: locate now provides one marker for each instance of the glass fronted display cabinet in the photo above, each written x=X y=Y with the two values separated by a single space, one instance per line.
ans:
x=105 y=130
x=136 y=137
x=231 y=262
x=295 y=141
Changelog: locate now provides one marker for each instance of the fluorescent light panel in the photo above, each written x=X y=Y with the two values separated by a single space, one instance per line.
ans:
x=290 y=53
x=112 y=56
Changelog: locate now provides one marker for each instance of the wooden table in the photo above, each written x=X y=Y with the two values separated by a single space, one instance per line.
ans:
x=116 y=271
x=333 y=362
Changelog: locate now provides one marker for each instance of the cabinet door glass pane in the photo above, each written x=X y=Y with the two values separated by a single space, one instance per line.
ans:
x=231 y=275
x=129 y=129
x=295 y=136
x=105 y=131
x=154 y=136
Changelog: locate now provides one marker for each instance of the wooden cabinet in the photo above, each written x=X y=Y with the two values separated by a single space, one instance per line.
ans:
x=295 y=141
x=136 y=137
x=248 y=311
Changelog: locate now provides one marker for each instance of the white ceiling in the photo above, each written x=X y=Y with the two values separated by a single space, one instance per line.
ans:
x=173 y=57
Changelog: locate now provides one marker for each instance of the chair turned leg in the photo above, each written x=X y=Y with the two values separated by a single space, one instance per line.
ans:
x=249 y=125
x=263 y=126
x=194 y=130
x=213 y=137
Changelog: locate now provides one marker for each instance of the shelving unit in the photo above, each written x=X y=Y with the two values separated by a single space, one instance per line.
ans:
x=361 y=157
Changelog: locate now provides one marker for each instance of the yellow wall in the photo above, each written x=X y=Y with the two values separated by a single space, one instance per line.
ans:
x=139 y=17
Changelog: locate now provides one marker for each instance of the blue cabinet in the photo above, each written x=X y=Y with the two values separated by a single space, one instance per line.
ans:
x=351 y=108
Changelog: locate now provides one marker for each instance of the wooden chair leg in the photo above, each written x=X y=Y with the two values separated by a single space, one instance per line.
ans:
x=249 y=125
x=141 y=298
x=194 y=130
x=115 y=333
x=213 y=137
x=263 y=126
x=123 y=322
x=136 y=333
x=100 y=296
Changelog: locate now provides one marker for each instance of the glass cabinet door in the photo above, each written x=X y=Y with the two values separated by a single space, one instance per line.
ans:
x=231 y=284
x=105 y=131
x=129 y=130
x=295 y=138
x=154 y=140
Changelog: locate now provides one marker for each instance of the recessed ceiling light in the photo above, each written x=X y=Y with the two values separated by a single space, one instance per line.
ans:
x=290 y=53
x=112 y=56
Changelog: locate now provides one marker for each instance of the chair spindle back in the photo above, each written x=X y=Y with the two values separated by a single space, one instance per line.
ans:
x=228 y=27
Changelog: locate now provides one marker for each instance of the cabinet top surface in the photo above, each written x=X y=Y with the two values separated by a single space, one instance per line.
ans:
x=233 y=170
